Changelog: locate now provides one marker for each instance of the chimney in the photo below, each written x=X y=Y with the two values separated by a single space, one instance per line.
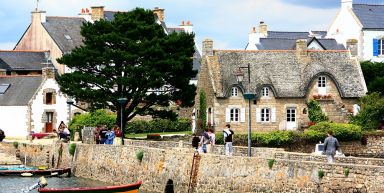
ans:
x=263 y=29
x=159 y=12
x=207 y=47
x=253 y=39
x=86 y=15
x=346 y=4
x=97 y=13
x=188 y=27
x=301 y=47
x=48 y=73
x=39 y=17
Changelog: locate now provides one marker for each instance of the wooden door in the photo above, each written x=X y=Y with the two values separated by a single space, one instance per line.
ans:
x=48 y=123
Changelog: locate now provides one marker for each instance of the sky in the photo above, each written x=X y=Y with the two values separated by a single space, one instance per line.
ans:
x=226 y=22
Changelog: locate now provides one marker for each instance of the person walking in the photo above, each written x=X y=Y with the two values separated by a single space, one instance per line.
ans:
x=110 y=136
x=228 y=138
x=205 y=142
x=195 y=142
x=212 y=143
x=331 y=144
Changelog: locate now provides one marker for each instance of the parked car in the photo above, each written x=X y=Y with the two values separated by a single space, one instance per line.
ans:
x=2 y=135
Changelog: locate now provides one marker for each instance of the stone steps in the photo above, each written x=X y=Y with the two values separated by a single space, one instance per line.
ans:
x=6 y=159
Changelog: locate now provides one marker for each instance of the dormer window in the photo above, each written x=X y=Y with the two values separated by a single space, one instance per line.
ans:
x=265 y=92
x=235 y=91
x=321 y=85
x=4 y=88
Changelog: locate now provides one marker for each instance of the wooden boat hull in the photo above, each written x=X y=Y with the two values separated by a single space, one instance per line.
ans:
x=37 y=172
x=129 y=188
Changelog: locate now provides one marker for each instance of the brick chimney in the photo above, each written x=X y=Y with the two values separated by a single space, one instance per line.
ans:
x=97 y=13
x=39 y=17
x=301 y=47
x=48 y=72
x=159 y=12
x=263 y=30
x=188 y=27
x=346 y=4
x=86 y=15
x=207 y=47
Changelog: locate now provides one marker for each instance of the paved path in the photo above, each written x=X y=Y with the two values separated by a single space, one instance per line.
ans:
x=6 y=159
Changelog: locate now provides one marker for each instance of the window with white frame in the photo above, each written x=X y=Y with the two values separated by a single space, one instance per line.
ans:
x=381 y=47
x=291 y=115
x=321 y=81
x=234 y=114
x=265 y=115
x=234 y=91
x=265 y=92
x=321 y=85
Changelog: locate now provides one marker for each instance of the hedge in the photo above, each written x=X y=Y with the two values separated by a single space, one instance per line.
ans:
x=158 y=125
x=342 y=131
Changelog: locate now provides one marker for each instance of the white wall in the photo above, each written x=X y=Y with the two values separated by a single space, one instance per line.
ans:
x=38 y=107
x=368 y=45
x=14 y=121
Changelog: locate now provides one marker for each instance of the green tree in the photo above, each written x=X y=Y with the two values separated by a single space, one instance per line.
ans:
x=374 y=75
x=315 y=114
x=131 y=57
x=371 y=112
x=203 y=110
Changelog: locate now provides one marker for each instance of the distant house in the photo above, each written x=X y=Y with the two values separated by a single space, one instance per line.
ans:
x=281 y=40
x=360 y=28
x=283 y=81
x=23 y=62
x=32 y=103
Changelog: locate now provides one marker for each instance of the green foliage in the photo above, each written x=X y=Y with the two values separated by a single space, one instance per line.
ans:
x=371 y=112
x=315 y=114
x=15 y=144
x=320 y=174
x=98 y=117
x=346 y=172
x=342 y=131
x=140 y=155
x=273 y=139
x=131 y=57
x=374 y=75
x=72 y=148
x=271 y=162
x=203 y=110
x=158 y=125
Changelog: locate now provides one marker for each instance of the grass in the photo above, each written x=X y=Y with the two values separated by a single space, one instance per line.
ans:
x=161 y=133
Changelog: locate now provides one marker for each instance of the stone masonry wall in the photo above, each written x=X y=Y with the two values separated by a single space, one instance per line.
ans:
x=216 y=173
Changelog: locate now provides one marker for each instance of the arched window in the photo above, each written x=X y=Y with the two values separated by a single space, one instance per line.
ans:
x=234 y=91
x=234 y=115
x=321 y=85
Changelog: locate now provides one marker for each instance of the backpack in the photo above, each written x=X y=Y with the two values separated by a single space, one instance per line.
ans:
x=207 y=138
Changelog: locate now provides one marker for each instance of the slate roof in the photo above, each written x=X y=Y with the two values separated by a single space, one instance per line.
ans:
x=65 y=31
x=109 y=15
x=21 y=90
x=321 y=34
x=288 y=75
x=289 y=44
x=288 y=35
x=371 y=16
x=23 y=60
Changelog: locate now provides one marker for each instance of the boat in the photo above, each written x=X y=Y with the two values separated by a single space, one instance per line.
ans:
x=23 y=171
x=128 y=188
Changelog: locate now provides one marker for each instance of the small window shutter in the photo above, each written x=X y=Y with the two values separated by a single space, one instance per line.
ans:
x=227 y=115
x=375 y=47
x=53 y=98
x=273 y=115
x=258 y=115
x=242 y=115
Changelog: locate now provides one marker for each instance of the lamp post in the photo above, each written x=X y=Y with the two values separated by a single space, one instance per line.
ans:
x=122 y=102
x=70 y=103
x=248 y=95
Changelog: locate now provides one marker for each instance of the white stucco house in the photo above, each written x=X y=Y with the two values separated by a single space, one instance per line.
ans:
x=360 y=28
x=32 y=103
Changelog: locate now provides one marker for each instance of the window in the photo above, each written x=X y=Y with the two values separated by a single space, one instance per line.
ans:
x=265 y=92
x=234 y=91
x=321 y=81
x=291 y=115
x=381 y=47
x=234 y=115
x=265 y=115
x=4 y=88
x=48 y=98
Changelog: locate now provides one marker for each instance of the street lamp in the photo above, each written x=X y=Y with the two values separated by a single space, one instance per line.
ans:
x=70 y=103
x=122 y=102
x=239 y=77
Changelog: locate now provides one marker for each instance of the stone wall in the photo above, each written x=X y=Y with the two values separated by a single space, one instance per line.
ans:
x=216 y=173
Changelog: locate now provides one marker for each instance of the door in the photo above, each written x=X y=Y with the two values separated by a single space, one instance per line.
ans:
x=291 y=118
x=48 y=123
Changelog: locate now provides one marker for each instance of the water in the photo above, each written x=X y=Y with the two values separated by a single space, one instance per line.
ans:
x=15 y=184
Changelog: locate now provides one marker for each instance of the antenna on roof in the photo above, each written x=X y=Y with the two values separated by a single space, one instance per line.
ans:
x=37 y=5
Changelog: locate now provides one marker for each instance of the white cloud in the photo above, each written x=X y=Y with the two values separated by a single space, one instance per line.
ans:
x=7 y=45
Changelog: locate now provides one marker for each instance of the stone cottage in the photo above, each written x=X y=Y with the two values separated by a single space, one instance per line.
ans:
x=32 y=103
x=282 y=82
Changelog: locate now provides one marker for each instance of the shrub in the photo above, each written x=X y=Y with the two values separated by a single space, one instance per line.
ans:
x=273 y=139
x=72 y=148
x=315 y=114
x=320 y=174
x=140 y=155
x=15 y=144
x=98 y=117
x=371 y=112
x=270 y=163
x=203 y=108
x=342 y=131
x=158 y=125
x=346 y=172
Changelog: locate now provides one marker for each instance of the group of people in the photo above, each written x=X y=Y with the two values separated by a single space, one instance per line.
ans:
x=206 y=141
x=63 y=132
x=106 y=136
